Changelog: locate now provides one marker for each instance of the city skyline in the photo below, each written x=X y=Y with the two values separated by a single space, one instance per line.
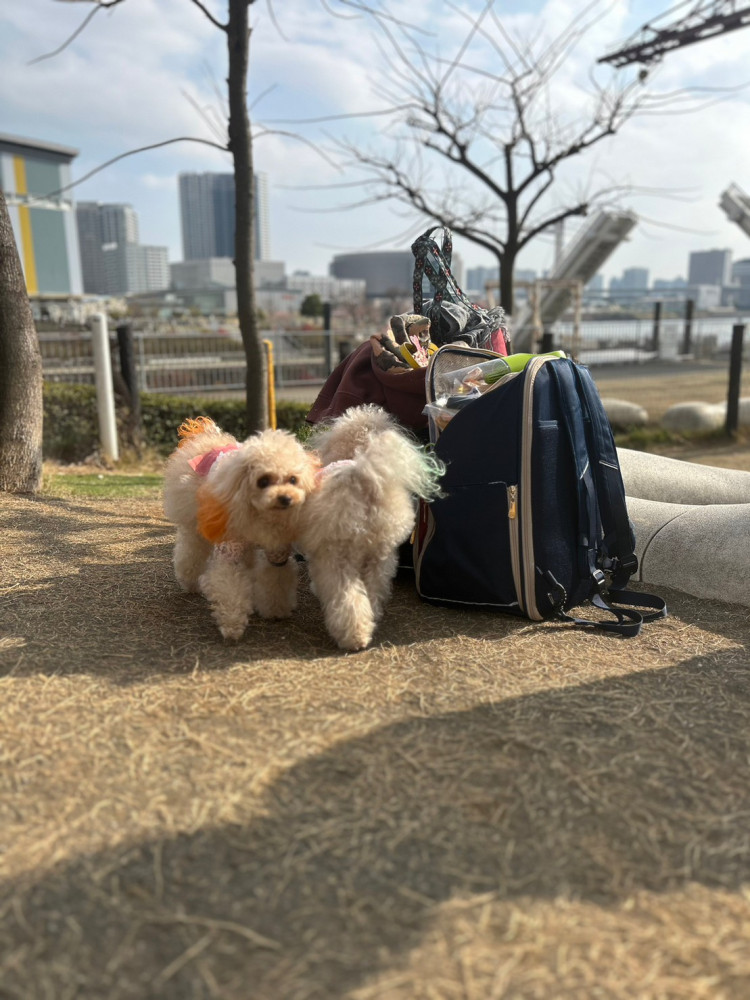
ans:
x=90 y=96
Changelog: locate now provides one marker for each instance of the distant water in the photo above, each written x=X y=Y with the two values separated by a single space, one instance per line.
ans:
x=610 y=334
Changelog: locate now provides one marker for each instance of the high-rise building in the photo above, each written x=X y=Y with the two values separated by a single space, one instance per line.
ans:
x=262 y=222
x=99 y=226
x=387 y=273
x=90 y=244
x=635 y=279
x=477 y=278
x=741 y=279
x=155 y=268
x=207 y=207
x=112 y=260
x=33 y=178
x=119 y=224
x=630 y=286
x=710 y=267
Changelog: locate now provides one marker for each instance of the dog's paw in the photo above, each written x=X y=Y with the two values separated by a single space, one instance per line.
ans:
x=355 y=640
x=232 y=633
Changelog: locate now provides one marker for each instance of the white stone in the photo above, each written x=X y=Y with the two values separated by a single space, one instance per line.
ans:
x=692 y=417
x=743 y=414
x=624 y=414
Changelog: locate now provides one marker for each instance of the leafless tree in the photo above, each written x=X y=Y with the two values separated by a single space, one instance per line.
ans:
x=20 y=373
x=239 y=144
x=496 y=117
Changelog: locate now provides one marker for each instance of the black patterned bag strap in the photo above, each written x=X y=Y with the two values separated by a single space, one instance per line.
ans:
x=439 y=273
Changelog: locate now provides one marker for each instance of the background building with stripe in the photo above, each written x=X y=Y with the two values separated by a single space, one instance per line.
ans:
x=32 y=174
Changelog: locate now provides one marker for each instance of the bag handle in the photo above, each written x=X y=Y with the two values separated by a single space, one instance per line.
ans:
x=426 y=250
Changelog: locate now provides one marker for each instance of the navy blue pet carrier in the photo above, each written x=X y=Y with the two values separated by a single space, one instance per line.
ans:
x=533 y=521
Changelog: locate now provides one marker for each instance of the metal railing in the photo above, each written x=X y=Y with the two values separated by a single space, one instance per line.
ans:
x=196 y=363
x=184 y=364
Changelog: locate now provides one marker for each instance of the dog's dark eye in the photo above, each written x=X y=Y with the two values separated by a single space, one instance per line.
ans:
x=293 y=480
x=264 y=482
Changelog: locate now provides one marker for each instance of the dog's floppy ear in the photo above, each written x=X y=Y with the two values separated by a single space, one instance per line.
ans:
x=310 y=474
x=212 y=517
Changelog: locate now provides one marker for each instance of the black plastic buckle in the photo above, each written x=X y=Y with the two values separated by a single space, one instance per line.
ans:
x=629 y=564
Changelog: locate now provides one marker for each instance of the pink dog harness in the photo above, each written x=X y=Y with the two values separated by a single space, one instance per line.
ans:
x=202 y=464
x=325 y=470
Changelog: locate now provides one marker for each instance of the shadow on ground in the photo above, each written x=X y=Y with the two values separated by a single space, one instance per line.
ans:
x=102 y=600
x=591 y=792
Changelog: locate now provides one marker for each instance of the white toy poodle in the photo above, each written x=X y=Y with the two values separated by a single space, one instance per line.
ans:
x=362 y=510
x=237 y=507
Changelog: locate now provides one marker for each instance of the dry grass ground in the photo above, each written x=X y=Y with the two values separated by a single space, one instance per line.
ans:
x=476 y=807
x=657 y=387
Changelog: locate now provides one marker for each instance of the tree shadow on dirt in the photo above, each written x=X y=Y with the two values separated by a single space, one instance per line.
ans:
x=589 y=792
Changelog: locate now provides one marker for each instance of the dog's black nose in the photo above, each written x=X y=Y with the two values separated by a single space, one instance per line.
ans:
x=284 y=500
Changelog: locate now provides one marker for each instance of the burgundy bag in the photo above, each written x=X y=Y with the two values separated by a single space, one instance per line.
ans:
x=358 y=380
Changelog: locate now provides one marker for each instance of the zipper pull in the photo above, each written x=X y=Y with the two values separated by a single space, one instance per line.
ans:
x=512 y=495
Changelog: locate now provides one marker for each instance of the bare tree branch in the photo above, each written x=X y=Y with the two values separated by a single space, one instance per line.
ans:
x=100 y=5
x=209 y=15
x=122 y=156
x=263 y=131
x=499 y=139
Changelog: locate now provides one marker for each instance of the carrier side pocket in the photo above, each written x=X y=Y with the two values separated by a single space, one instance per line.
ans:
x=466 y=555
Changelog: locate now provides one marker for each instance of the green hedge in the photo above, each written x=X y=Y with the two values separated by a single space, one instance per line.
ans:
x=71 y=430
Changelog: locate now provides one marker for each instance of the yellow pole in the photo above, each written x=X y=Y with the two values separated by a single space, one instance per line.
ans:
x=271 y=383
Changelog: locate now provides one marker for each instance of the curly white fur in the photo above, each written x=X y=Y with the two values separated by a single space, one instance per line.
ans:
x=236 y=524
x=363 y=509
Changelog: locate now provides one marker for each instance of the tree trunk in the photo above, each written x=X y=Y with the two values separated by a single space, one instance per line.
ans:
x=20 y=373
x=241 y=148
x=507 y=265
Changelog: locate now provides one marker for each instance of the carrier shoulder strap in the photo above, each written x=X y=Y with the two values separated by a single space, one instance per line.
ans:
x=601 y=500
x=618 y=542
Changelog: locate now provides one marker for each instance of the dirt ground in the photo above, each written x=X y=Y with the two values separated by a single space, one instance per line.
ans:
x=656 y=387
x=476 y=807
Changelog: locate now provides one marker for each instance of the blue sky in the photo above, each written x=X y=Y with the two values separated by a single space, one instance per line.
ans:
x=150 y=70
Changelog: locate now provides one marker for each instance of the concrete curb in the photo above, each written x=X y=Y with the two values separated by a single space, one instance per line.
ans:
x=654 y=477
x=701 y=550
x=692 y=525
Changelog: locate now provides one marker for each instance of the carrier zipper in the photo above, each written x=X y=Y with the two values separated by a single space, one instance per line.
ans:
x=527 y=526
x=515 y=551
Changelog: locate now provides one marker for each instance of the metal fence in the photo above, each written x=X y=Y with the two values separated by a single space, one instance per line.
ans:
x=196 y=363
x=183 y=364
x=637 y=341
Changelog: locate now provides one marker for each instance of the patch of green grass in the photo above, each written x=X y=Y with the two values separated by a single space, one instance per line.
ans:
x=641 y=438
x=644 y=438
x=103 y=485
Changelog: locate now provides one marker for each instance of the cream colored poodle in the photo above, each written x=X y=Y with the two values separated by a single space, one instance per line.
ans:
x=362 y=510
x=237 y=507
